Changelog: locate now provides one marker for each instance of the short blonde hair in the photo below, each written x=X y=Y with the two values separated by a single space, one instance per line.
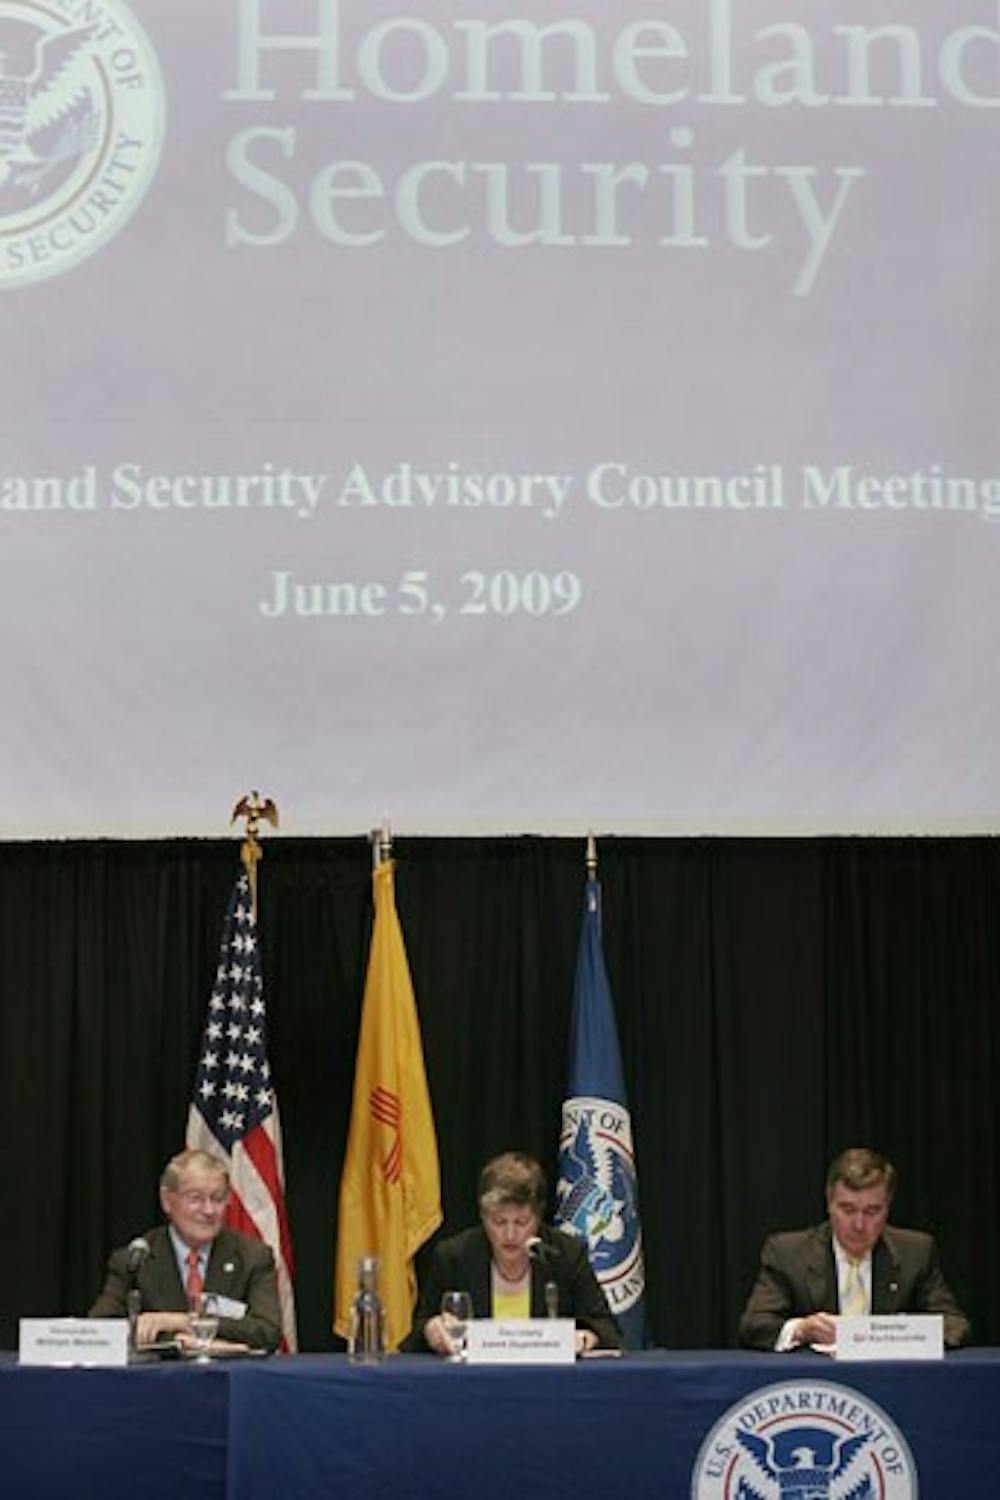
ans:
x=192 y=1161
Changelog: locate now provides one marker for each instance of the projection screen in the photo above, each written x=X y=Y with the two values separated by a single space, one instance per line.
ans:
x=500 y=417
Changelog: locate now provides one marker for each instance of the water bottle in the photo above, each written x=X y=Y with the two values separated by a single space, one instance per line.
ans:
x=367 y=1341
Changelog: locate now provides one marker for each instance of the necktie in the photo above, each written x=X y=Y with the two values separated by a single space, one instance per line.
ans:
x=854 y=1302
x=195 y=1282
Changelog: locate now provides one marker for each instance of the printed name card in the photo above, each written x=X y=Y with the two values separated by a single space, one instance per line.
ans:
x=890 y=1336
x=73 y=1341
x=521 y=1341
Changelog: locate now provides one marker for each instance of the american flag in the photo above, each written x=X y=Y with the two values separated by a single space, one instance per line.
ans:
x=234 y=1110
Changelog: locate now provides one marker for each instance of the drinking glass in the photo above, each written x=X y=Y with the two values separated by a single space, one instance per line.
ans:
x=203 y=1323
x=456 y=1310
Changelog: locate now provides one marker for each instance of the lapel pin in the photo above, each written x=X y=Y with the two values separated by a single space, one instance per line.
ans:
x=229 y=1267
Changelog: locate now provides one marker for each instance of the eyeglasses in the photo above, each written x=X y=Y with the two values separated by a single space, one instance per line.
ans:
x=191 y=1198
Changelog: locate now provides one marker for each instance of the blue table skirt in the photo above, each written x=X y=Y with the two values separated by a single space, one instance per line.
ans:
x=416 y=1427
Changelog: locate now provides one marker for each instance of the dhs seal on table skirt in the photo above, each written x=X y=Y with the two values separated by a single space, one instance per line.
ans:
x=81 y=125
x=804 y=1440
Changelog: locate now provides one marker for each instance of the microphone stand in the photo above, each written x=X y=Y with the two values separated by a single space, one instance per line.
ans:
x=542 y=1255
x=134 y=1304
x=137 y=1253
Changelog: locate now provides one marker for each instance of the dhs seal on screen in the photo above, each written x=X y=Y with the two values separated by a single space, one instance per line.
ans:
x=804 y=1440
x=81 y=126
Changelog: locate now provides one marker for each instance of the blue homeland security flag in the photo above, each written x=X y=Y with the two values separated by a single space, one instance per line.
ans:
x=596 y=1197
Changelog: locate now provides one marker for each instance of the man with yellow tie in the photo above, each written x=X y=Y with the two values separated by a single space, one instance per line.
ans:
x=854 y=1263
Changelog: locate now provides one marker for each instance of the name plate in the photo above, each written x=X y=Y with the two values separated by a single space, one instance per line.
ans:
x=521 y=1341
x=73 y=1341
x=890 y=1336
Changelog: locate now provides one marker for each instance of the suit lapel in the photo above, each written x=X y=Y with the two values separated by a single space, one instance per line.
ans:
x=885 y=1276
x=160 y=1276
x=539 y=1276
x=478 y=1271
x=820 y=1271
x=221 y=1265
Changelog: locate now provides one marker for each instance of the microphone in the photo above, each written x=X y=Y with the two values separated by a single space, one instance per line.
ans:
x=137 y=1252
x=545 y=1255
x=135 y=1256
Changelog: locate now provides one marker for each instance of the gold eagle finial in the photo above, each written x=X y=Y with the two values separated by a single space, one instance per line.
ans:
x=254 y=808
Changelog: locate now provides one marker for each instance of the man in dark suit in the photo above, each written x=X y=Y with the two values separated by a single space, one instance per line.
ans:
x=855 y=1262
x=194 y=1251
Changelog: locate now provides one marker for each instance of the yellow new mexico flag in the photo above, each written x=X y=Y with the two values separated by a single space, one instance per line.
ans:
x=390 y=1190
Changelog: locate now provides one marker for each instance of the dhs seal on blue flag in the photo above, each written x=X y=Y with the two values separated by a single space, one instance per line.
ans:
x=596 y=1195
x=804 y=1440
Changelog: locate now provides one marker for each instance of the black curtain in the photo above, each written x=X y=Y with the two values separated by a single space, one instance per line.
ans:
x=777 y=1000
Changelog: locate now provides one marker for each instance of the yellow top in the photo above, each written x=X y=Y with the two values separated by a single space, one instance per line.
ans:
x=515 y=1304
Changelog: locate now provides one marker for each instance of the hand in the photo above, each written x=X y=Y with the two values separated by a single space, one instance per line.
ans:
x=437 y=1337
x=586 y=1339
x=818 y=1328
x=152 y=1325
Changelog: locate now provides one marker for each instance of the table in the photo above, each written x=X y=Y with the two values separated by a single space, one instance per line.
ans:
x=418 y=1429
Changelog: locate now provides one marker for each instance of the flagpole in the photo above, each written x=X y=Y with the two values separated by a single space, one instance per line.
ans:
x=381 y=842
x=253 y=807
x=591 y=856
